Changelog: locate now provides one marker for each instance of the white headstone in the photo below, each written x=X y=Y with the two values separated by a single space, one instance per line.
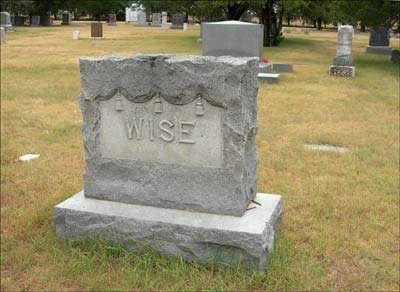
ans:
x=2 y=35
x=185 y=26
x=75 y=35
x=164 y=20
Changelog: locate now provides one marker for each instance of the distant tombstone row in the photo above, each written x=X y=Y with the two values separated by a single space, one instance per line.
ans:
x=35 y=20
x=343 y=61
x=141 y=19
x=156 y=19
x=379 y=41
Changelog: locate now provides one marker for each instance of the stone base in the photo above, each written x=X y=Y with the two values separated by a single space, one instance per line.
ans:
x=7 y=27
x=343 y=71
x=268 y=78
x=379 y=50
x=195 y=236
x=96 y=38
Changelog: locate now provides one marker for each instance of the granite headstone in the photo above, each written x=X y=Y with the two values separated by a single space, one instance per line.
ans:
x=35 y=20
x=156 y=19
x=164 y=24
x=45 y=20
x=177 y=21
x=96 y=30
x=141 y=19
x=19 y=20
x=343 y=61
x=379 y=41
x=5 y=21
x=112 y=19
x=171 y=159
x=66 y=18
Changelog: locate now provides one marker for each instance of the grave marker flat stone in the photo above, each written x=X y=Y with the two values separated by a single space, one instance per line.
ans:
x=156 y=19
x=177 y=21
x=96 y=30
x=35 y=20
x=379 y=41
x=271 y=78
x=343 y=61
x=171 y=159
x=282 y=67
x=232 y=38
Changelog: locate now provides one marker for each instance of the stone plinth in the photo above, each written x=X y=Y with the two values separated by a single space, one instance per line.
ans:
x=246 y=240
x=382 y=50
x=96 y=30
x=342 y=71
x=66 y=18
x=5 y=21
x=177 y=21
x=156 y=19
x=112 y=19
x=35 y=20
x=232 y=38
x=141 y=19
x=172 y=131
x=264 y=67
x=164 y=25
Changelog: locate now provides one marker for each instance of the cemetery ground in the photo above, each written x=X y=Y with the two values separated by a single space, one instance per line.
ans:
x=340 y=226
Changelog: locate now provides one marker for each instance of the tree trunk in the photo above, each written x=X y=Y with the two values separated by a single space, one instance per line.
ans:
x=319 y=23
x=236 y=10
x=288 y=21
x=315 y=23
x=362 y=26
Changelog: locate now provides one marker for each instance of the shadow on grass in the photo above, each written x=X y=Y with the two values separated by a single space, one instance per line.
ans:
x=379 y=63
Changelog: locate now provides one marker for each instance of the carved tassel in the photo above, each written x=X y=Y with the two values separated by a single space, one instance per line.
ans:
x=199 y=107
x=158 y=105
x=119 y=105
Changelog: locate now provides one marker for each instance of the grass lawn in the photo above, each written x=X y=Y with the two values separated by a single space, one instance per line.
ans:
x=340 y=226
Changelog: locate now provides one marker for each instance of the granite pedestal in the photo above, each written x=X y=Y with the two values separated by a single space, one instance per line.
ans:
x=246 y=240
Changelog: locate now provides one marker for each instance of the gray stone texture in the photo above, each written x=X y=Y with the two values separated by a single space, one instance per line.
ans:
x=5 y=21
x=35 y=20
x=288 y=68
x=19 y=20
x=2 y=35
x=226 y=83
x=45 y=20
x=379 y=50
x=247 y=240
x=156 y=19
x=177 y=21
x=264 y=67
x=343 y=53
x=232 y=38
x=342 y=71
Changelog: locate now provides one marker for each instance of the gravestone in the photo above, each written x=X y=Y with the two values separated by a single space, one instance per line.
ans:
x=75 y=35
x=96 y=31
x=306 y=32
x=288 y=68
x=395 y=57
x=191 y=21
x=200 y=39
x=164 y=24
x=141 y=19
x=45 y=20
x=19 y=20
x=232 y=38
x=379 y=41
x=264 y=67
x=112 y=19
x=171 y=159
x=129 y=14
x=343 y=61
x=35 y=20
x=66 y=18
x=185 y=26
x=177 y=21
x=298 y=30
x=5 y=21
x=156 y=19
x=2 y=35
